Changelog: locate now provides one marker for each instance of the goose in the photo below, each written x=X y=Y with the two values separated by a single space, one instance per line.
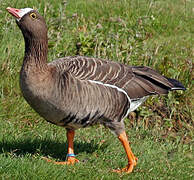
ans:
x=77 y=91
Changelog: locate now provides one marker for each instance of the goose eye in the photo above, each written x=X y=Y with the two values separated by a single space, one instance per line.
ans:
x=33 y=15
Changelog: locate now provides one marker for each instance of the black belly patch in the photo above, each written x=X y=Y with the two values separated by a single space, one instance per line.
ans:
x=88 y=120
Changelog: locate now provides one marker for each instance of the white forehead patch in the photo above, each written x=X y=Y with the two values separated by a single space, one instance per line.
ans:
x=24 y=11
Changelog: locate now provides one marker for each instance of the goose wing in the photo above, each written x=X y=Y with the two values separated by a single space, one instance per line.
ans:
x=136 y=81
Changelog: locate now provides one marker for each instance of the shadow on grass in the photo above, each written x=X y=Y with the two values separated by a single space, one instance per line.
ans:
x=47 y=148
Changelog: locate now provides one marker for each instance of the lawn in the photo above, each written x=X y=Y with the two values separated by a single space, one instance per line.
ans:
x=155 y=33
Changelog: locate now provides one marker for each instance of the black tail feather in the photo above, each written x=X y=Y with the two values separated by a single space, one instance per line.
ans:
x=177 y=84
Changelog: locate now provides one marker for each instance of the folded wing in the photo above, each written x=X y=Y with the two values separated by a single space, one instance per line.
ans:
x=136 y=81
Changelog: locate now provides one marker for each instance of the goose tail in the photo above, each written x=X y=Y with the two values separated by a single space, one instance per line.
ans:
x=176 y=84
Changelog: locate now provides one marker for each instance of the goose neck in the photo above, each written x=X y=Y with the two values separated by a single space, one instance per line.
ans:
x=36 y=52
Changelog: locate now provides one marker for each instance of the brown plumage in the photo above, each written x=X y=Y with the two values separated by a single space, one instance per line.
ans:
x=76 y=92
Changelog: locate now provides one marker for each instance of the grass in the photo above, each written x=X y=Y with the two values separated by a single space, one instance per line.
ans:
x=158 y=34
x=98 y=151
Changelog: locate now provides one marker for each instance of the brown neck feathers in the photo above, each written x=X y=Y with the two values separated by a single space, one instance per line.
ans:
x=36 y=53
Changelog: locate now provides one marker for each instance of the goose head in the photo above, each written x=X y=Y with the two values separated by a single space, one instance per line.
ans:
x=31 y=23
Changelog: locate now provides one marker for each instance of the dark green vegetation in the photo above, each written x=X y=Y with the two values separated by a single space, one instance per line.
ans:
x=155 y=33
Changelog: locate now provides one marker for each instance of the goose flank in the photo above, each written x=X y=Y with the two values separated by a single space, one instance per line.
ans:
x=77 y=92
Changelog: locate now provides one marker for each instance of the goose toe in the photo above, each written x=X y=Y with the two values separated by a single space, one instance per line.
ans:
x=70 y=161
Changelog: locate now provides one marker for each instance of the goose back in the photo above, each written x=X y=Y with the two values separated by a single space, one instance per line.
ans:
x=136 y=81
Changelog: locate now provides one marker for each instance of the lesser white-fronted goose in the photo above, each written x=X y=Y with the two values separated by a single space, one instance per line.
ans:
x=76 y=92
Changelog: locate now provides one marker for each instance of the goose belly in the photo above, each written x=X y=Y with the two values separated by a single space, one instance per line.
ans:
x=91 y=104
x=44 y=107
x=80 y=105
x=41 y=98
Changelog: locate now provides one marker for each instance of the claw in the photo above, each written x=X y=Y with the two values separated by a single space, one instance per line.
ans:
x=127 y=169
x=70 y=161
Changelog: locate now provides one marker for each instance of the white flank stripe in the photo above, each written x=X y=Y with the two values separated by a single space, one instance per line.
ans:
x=112 y=86
x=133 y=104
x=118 y=89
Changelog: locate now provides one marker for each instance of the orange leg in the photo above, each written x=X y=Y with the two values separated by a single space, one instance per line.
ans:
x=70 y=152
x=132 y=160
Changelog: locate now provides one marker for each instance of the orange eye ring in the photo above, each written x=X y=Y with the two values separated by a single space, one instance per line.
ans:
x=33 y=15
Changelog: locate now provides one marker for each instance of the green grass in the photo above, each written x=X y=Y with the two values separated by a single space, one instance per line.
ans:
x=97 y=149
x=154 y=33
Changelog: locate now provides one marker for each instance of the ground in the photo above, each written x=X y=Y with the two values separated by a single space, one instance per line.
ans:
x=158 y=34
